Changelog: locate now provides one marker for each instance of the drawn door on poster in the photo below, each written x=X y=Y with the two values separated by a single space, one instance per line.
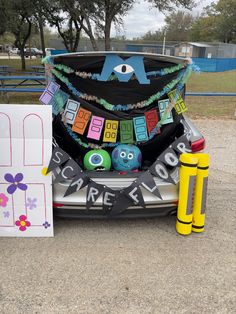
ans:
x=25 y=140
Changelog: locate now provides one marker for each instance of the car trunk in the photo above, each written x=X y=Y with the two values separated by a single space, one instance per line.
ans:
x=117 y=92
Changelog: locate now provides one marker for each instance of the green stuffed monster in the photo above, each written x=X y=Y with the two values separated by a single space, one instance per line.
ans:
x=97 y=159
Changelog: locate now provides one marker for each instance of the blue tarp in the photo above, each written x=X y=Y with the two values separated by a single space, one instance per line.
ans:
x=215 y=64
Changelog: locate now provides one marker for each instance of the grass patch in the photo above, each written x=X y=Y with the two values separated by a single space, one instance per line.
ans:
x=20 y=98
x=212 y=82
x=16 y=63
x=210 y=107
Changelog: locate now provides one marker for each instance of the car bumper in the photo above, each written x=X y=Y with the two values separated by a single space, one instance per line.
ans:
x=74 y=205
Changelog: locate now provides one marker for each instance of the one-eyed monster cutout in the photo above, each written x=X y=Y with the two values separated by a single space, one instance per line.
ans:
x=126 y=157
x=124 y=69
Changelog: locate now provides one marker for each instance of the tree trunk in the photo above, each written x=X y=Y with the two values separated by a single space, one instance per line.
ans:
x=107 y=32
x=88 y=30
x=22 y=55
x=41 y=31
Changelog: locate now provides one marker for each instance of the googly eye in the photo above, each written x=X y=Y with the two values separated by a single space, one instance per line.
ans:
x=123 y=154
x=95 y=159
x=124 y=69
x=130 y=156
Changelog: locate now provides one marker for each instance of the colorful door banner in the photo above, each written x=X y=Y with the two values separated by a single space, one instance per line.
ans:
x=58 y=101
x=71 y=110
x=180 y=105
x=46 y=97
x=95 y=127
x=81 y=121
x=140 y=129
x=151 y=120
x=110 y=132
x=49 y=92
x=163 y=104
x=25 y=189
x=52 y=87
x=126 y=132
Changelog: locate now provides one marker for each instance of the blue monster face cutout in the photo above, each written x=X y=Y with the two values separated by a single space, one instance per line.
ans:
x=124 y=69
x=126 y=157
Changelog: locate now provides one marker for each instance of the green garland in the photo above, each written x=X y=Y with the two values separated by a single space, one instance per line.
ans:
x=179 y=82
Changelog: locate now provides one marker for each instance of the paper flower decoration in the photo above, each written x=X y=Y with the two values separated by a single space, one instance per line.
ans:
x=15 y=182
x=3 y=200
x=6 y=214
x=31 y=203
x=22 y=223
x=46 y=224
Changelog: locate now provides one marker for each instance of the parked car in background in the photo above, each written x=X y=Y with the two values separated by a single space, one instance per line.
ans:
x=34 y=52
x=14 y=51
x=48 y=51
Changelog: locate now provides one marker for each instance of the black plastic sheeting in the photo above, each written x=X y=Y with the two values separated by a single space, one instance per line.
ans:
x=115 y=92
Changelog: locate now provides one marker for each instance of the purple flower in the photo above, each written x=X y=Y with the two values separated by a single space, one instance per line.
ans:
x=31 y=203
x=6 y=214
x=46 y=225
x=15 y=182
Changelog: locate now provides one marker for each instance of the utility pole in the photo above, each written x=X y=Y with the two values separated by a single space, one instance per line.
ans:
x=164 y=43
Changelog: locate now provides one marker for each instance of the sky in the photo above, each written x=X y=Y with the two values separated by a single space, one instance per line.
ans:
x=142 y=18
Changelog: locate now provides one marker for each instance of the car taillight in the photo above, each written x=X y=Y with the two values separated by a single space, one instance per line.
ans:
x=198 y=145
x=57 y=205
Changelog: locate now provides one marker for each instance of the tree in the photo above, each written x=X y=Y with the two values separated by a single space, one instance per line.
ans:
x=3 y=21
x=153 y=36
x=18 y=17
x=111 y=11
x=65 y=16
x=178 y=26
x=204 y=29
x=217 y=23
x=225 y=13
x=170 y=5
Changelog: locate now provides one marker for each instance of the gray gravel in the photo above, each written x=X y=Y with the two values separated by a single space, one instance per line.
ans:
x=132 y=266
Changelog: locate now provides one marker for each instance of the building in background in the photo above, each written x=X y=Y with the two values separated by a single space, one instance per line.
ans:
x=205 y=50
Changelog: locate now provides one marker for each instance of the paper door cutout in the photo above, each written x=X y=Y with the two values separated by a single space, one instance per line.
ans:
x=151 y=119
x=25 y=192
x=163 y=104
x=95 y=128
x=140 y=129
x=111 y=129
x=81 y=121
x=71 y=110
x=52 y=87
x=58 y=101
x=180 y=105
x=126 y=132
x=46 y=97
x=5 y=140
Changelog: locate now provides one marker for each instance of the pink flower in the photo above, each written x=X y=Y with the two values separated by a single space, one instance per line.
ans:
x=3 y=200
x=22 y=223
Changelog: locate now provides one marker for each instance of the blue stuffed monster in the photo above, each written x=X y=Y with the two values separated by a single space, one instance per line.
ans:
x=126 y=157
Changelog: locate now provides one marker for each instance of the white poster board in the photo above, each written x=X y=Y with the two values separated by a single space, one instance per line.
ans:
x=25 y=189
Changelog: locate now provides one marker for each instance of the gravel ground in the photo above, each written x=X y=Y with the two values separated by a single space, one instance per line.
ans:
x=132 y=266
